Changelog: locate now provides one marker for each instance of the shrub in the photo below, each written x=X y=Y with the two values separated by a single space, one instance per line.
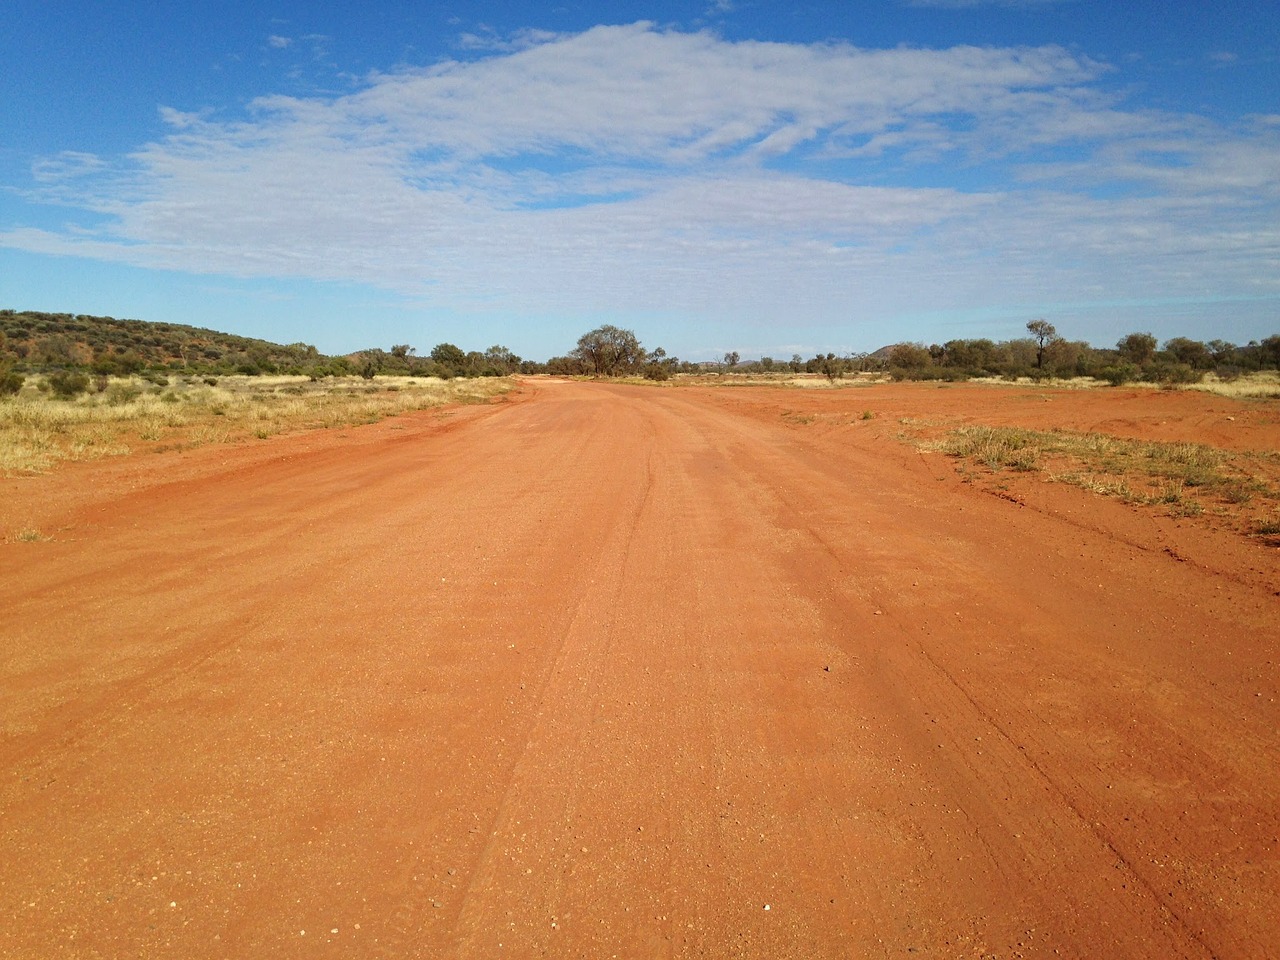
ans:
x=66 y=384
x=1118 y=375
x=10 y=383
x=1170 y=374
x=119 y=394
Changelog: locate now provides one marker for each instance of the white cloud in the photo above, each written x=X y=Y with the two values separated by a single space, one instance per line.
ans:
x=633 y=168
x=277 y=42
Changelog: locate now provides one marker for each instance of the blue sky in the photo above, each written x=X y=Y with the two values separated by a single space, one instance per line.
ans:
x=763 y=177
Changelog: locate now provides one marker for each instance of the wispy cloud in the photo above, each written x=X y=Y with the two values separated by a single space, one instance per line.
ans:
x=489 y=40
x=650 y=170
x=69 y=164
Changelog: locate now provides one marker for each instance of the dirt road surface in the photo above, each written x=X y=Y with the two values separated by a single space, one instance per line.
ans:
x=623 y=671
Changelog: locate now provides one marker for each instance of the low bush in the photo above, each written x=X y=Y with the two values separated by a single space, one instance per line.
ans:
x=66 y=384
x=1119 y=374
x=121 y=393
x=1172 y=374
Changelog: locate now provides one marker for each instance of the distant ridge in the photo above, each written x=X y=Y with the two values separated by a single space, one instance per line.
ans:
x=36 y=340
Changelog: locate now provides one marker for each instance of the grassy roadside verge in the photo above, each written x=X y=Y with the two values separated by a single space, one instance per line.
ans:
x=38 y=431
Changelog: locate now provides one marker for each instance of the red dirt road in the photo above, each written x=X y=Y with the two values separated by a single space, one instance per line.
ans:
x=622 y=671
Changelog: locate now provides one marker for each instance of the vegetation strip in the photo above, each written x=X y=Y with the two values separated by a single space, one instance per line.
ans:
x=1137 y=471
x=37 y=430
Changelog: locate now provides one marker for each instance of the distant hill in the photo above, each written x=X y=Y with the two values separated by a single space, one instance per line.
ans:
x=883 y=354
x=42 y=341
x=34 y=342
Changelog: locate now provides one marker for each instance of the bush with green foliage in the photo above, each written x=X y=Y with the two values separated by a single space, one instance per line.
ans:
x=67 y=384
x=1119 y=374
x=10 y=382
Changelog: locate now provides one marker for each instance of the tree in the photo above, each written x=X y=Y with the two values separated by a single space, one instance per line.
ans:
x=501 y=359
x=1045 y=336
x=910 y=356
x=450 y=357
x=402 y=351
x=1223 y=352
x=1269 y=351
x=832 y=367
x=1137 y=348
x=731 y=359
x=609 y=352
x=1191 y=352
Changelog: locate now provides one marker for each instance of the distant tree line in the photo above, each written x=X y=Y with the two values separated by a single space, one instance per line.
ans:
x=609 y=351
x=1135 y=357
x=77 y=351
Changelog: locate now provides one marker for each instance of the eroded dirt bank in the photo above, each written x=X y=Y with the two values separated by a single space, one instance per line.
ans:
x=614 y=670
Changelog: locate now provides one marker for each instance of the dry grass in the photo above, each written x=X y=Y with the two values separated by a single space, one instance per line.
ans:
x=37 y=431
x=1181 y=476
x=1264 y=385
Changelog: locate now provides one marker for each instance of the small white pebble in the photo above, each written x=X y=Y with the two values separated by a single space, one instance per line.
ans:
x=173 y=903
x=334 y=930
x=766 y=906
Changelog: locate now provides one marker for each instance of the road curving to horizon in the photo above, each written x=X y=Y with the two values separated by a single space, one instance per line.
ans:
x=613 y=670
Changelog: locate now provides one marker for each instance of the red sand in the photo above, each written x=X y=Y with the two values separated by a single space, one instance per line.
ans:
x=625 y=671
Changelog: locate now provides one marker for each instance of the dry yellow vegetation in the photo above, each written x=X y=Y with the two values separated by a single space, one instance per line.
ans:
x=38 y=430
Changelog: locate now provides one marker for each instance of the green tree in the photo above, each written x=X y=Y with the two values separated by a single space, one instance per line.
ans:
x=501 y=359
x=910 y=356
x=1222 y=351
x=447 y=355
x=608 y=351
x=1191 y=352
x=1137 y=348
